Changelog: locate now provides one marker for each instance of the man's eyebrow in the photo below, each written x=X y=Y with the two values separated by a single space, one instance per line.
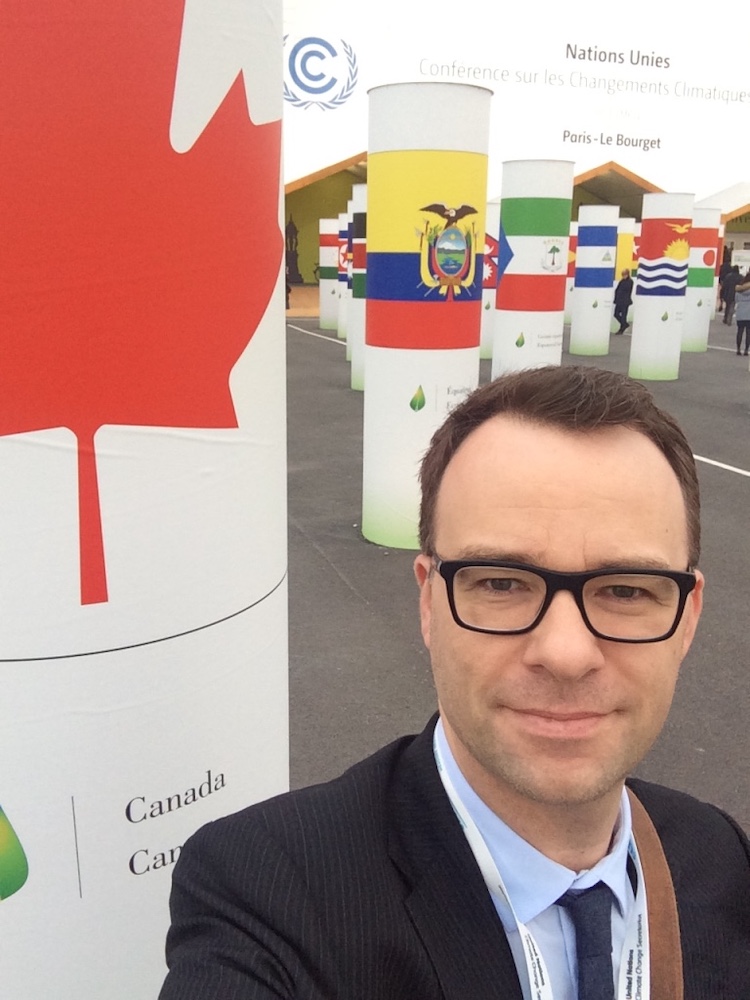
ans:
x=531 y=559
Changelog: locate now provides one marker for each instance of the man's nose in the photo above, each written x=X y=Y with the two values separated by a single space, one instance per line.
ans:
x=562 y=642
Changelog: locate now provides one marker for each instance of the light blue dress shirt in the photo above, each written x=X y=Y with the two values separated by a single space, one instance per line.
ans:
x=534 y=882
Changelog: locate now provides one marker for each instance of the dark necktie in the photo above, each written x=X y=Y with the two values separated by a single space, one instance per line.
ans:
x=591 y=913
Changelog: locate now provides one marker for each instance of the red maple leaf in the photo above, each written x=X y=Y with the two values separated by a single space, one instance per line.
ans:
x=131 y=276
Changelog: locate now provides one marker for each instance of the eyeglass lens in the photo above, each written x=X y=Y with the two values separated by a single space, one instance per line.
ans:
x=623 y=606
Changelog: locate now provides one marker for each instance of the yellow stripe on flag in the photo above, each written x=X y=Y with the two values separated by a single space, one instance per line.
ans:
x=401 y=183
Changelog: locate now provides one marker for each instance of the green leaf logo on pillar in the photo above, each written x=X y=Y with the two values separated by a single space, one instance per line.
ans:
x=14 y=868
x=521 y=340
x=595 y=304
x=665 y=317
x=417 y=401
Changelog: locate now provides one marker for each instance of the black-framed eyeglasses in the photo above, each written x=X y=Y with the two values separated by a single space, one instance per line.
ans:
x=621 y=604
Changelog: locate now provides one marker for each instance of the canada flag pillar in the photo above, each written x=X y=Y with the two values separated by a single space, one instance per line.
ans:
x=426 y=198
x=143 y=649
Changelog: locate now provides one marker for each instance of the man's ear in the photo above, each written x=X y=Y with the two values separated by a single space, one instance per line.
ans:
x=423 y=570
x=692 y=612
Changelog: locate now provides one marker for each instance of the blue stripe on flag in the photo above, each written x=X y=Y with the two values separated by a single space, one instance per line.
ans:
x=594 y=277
x=597 y=236
x=396 y=277
x=504 y=254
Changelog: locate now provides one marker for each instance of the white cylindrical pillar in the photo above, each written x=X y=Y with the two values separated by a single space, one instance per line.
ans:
x=427 y=191
x=699 y=294
x=535 y=208
x=595 y=270
x=143 y=639
x=658 y=308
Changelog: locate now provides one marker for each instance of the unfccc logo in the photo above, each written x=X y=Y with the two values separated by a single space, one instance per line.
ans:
x=321 y=75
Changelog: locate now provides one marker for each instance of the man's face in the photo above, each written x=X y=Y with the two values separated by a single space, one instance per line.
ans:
x=554 y=716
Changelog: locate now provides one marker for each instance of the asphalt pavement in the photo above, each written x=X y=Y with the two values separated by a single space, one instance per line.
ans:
x=360 y=676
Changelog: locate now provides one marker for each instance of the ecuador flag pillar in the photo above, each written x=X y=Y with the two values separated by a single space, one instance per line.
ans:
x=699 y=295
x=658 y=309
x=537 y=197
x=595 y=269
x=427 y=192
x=328 y=273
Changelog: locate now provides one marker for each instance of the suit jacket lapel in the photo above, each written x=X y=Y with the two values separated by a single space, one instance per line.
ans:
x=449 y=904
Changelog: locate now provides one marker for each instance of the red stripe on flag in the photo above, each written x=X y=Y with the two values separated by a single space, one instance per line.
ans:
x=531 y=292
x=703 y=237
x=659 y=234
x=423 y=326
x=359 y=256
x=329 y=239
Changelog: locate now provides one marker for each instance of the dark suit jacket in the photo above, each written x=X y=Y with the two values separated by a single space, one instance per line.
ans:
x=365 y=888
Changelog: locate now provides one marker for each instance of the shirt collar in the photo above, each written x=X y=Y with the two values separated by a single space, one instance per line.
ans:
x=532 y=880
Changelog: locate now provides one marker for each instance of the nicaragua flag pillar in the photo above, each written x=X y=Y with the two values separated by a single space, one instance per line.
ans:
x=658 y=308
x=595 y=268
x=426 y=198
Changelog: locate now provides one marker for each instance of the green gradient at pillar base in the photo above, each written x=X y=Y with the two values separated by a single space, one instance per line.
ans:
x=385 y=527
x=695 y=348
x=654 y=373
x=14 y=868
x=589 y=352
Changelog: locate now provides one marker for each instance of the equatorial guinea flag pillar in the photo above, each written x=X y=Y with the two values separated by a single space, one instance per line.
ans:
x=427 y=191
x=143 y=635
x=328 y=273
x=658 y=308
x=356 y=332
x=595 y=269
x=536 y=201
x=699 y=294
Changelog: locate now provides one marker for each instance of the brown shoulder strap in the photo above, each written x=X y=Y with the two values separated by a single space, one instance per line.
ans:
x=663 y=921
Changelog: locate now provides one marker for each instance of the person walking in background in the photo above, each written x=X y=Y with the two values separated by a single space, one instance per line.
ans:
x=623 y=299
x=742 y=302
x=724 y=270
x=728 y=290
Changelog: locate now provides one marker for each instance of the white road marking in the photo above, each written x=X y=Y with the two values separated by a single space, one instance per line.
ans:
x=721 y=465
x=331 y=340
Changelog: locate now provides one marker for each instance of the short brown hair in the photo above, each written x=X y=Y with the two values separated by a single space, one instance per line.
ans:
x=573 y=398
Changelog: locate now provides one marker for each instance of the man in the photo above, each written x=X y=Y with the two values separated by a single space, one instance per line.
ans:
x=623 y=300
x=729 y=293
x=558 y=595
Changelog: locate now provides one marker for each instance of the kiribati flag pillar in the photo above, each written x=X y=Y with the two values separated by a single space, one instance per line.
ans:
x=570 y=278
x=490 y=269
x=595 y=269
x=328 y=273
x=659 y=304
x=699 y=295
x=537 y=197
x=143 y=634
x=356 y=333
x=427 y=191
x=343 y=275
x=349 y=273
